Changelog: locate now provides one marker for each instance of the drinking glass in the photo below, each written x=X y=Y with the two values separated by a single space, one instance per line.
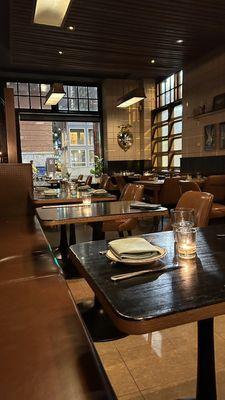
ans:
x=182 y=217
x=86 y=199
x=186 y=242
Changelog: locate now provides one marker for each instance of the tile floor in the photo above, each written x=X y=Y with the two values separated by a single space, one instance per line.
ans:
x=156 y=366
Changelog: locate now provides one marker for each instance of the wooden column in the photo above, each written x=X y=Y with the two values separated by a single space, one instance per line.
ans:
x=10 y=120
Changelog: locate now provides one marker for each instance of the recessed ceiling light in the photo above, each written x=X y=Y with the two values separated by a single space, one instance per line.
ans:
x=152 y=61
x=179 y=41
x=70 y=28
x=60 y=52
x=49 y=12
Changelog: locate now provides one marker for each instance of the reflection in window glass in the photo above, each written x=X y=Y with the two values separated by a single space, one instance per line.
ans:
x=44 y=89
x=78 y=158
x=77 y=136
x=180 y=92
x=177 y=111
x=35 y=102
x=73 y=104
x=63 y=104
x=164 y=161
x=93 y=105
x=92 y=93
x=172 y=81
x=176 y=160
x=177 y=128
x=90 y=137
x=24 y=102
x=82 y=92
x=164 y=130
x=23 y=89
x=177 y=144
x=162 y=100
x=91 y=157
x=72 y=91
x=167 y=97
x=83 y=105
x=165 y=145
x=167 y=84
x=162 y=87
x=34 y=89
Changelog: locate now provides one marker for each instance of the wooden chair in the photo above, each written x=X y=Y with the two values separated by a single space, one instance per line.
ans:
x=16 y=190
x=130 y=192
x=201 y=202
x=80 y=177
x=88 y=180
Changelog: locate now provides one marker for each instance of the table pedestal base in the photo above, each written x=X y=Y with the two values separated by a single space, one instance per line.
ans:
x=99 y=324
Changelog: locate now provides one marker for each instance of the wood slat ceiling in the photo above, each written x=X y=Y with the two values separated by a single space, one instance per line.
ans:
x=117 y=38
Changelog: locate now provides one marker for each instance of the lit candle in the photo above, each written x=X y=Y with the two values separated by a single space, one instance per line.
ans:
x=186 y=242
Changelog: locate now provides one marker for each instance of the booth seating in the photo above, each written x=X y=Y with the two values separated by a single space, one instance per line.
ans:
x=45 y=349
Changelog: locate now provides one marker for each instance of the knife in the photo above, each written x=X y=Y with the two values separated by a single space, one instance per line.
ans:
x=142 y=272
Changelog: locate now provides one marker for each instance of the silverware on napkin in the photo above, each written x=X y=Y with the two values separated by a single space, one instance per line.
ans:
x=142 y=272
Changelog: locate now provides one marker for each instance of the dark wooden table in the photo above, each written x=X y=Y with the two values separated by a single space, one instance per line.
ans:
x=153 y=186
x=96 y=214
x=39 y=199
x=193 y=292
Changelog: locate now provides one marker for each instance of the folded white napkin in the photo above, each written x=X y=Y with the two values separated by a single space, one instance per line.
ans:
x=50 y=192
x=100 y=191
x=133 y=248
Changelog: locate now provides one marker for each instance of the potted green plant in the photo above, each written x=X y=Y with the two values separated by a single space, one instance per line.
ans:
x=98 y=168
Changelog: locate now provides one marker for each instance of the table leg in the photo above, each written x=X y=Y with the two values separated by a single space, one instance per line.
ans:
x=67 y=267
x=206 y=375
x=72 y=234
x=99 y=324
x=97 y=233
x=63 y=246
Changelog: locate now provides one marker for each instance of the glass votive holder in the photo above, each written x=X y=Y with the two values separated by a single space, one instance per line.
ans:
x=186 y=242
x=86 y=199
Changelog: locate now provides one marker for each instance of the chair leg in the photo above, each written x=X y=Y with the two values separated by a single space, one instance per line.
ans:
x=129 y=233
x=121 y=234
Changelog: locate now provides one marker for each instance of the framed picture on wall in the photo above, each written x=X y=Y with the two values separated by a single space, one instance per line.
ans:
x=209 y=137
x=222 y=135
x=219 y=102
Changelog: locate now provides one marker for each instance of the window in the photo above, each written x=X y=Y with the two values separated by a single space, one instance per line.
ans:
x=30 y=95
x=77 y=137
x=169 y=90
x=77 y=98
x=167 y=123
